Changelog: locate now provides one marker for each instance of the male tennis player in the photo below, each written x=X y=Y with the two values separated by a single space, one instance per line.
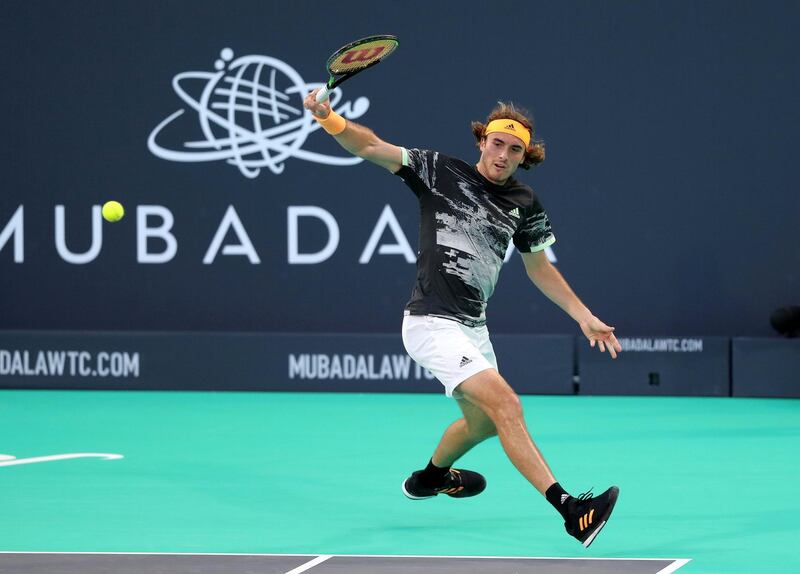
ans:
x=469 y=213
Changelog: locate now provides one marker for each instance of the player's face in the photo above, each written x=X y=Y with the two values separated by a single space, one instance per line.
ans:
x=501 y=155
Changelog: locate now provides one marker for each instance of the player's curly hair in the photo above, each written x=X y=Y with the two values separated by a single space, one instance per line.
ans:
x=535 y=153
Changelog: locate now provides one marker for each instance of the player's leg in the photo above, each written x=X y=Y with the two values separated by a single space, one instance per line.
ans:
x=439 y=477
x=585 y=515
x=491 y=394
x=442 y=346
x=473 y=428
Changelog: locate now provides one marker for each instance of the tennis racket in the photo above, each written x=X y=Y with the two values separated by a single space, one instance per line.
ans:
x=356 y=57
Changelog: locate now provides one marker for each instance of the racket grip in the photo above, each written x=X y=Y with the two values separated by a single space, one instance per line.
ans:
x=322 y=95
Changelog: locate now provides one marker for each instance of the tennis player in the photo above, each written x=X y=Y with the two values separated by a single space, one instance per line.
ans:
x=469 y=214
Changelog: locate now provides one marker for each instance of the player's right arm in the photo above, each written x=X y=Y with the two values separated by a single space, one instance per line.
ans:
x=357 y=139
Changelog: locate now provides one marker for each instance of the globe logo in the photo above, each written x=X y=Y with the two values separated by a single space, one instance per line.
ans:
x=249 y=114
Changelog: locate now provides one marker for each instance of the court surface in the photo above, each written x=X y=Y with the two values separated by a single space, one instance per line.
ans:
x=204 y=483
x=71 y=563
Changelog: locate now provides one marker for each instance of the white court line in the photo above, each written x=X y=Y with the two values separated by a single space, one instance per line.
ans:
x=10 y=460
x=309 y=565
x=674 y=566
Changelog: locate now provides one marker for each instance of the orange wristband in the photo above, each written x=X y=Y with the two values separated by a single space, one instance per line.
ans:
x=334 y=124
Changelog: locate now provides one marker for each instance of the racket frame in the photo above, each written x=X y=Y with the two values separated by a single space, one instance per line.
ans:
x=336 y=79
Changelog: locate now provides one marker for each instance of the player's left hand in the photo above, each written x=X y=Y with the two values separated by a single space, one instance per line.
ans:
x=601 y=335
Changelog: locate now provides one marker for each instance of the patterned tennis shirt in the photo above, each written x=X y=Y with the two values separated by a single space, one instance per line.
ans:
x=466 y=224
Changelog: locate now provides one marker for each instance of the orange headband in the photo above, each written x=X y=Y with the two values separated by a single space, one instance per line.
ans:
x=511 y=127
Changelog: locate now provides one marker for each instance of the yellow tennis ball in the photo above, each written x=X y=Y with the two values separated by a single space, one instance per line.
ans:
x=113 y=211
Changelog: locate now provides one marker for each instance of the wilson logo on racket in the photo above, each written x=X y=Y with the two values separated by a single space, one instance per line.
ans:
x=362 y=55
x=249 y=114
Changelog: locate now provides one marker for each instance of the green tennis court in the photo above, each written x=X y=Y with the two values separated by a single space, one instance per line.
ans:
x=711 y=480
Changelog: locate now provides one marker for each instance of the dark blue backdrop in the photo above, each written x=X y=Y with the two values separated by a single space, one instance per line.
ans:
x=670 y=129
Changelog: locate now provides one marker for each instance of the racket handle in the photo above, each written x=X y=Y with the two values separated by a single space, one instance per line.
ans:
x=322 y=95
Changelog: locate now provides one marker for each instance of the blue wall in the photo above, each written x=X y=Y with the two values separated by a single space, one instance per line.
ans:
x=670 y=128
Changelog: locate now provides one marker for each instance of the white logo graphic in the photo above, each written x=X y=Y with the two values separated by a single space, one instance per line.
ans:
x=514 y=212
x=8 y=460
x=250 y=114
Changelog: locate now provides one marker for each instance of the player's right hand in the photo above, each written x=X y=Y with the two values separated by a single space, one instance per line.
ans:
x=319 y=109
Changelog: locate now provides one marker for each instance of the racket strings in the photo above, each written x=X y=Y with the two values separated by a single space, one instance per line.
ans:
x=361 y=56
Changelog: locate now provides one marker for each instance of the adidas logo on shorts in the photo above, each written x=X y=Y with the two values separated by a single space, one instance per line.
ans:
x=465 y=361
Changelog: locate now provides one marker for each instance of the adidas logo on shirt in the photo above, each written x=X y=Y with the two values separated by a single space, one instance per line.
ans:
x=465 y=361
x=514 y=212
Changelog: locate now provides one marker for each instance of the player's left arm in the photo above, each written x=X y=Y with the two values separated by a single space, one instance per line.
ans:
x=550 y=282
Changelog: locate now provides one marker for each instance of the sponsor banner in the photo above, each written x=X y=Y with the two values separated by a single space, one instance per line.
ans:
x=765 y=367
x=257 y=362
x=686 y=366
x=661 y=345
x=242 y=214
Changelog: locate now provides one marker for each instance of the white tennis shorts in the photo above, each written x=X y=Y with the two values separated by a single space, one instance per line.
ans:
x=450 y=350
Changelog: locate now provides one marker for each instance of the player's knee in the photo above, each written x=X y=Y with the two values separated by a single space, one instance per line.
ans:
x=492 y=394
x=512 y=405
x=507 y=406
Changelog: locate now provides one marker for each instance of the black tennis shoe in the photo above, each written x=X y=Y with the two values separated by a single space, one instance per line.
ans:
x=587 y=514
x=457 y=483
